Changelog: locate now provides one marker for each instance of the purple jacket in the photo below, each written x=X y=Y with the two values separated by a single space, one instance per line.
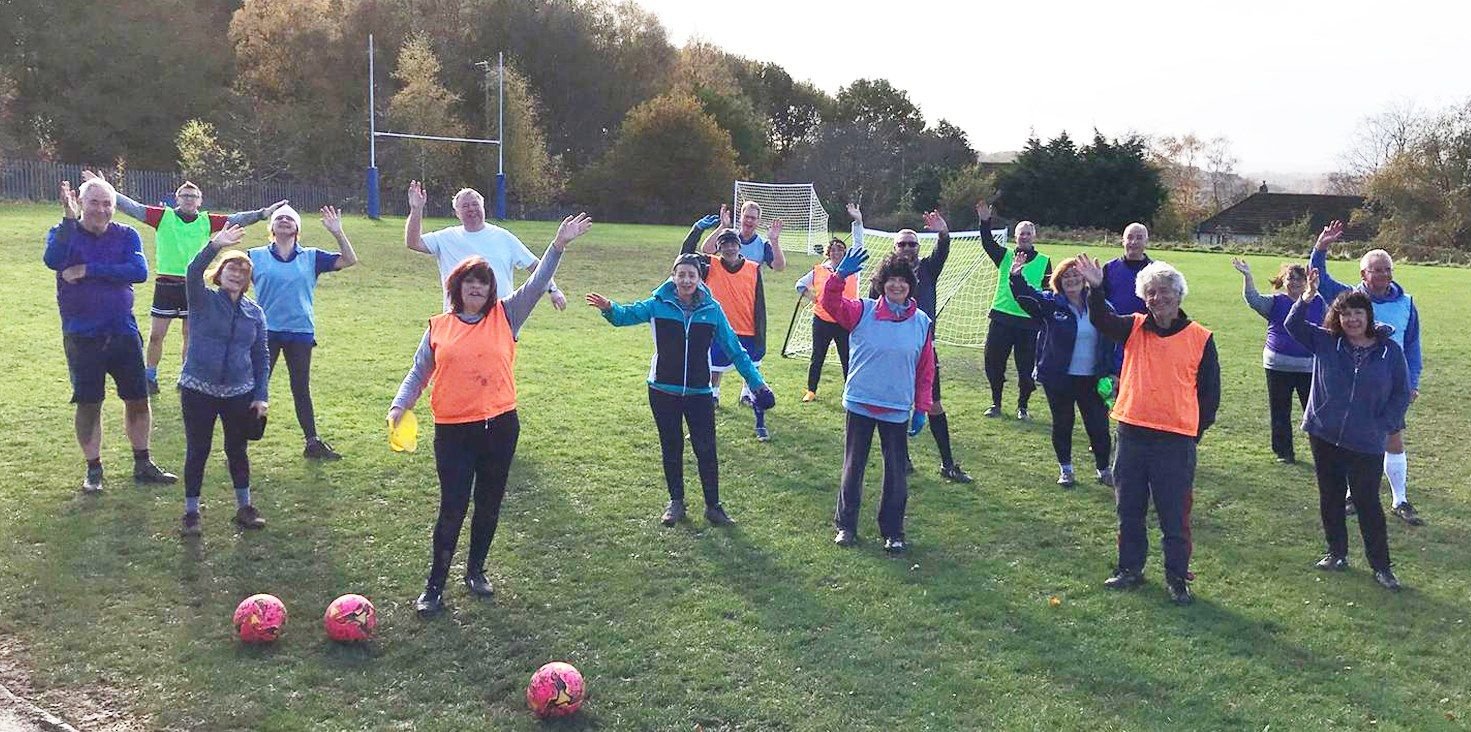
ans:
x=102 y=302
x=1278 y=339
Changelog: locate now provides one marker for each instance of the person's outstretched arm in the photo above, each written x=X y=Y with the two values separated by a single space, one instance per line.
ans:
x=1113 y=326
x=345 y=257
x=620 y=315
x=414 y=226
x=1310 y=336
x=845 y=312
x=988 y=242
x=1319 y=260
x=518 y=305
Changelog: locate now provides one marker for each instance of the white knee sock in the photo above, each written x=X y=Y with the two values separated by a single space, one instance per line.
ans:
x=1396 y=470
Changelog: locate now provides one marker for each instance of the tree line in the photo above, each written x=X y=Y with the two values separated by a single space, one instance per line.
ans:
x=601 y=110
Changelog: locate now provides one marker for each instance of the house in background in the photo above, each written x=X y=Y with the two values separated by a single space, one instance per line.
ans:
x=1262 y=212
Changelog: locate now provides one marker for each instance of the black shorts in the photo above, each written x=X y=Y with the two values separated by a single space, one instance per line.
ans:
x=169 y=298
x=90 y=359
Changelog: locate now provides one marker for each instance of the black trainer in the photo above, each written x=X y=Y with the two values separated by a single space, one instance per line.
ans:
x=717 y=517
x=993 y=411
x=1179 y=590
x=845 y=538
x=1124 y=579
x=92 y=484
x=955 y=474
x=149 y=472
x=1408 y=514
x=479 y=585
x=318 y=449
x=1386 y=579
x=431 y=602
x=895 y=545
x=673 y=513
x=191 y=525
x=1331 y=563
x=246 y=517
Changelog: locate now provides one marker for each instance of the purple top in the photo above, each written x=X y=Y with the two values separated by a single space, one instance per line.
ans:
x=1278 y=339
x=1118 y=284
x=102 y=302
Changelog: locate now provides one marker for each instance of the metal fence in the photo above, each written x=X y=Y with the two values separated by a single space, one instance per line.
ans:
x=35 y=180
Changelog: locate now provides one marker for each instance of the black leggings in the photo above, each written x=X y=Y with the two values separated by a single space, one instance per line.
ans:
x=894 y=446
x=1081 y=391
x=200 y=411
x=473 y=459
x=1359 y=471
x=1002 y=339
x=299 y=363
x=823 y=334
x=670 y=414
x=1280 y=387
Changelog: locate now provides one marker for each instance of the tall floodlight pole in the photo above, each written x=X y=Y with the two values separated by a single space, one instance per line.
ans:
x=373 y=197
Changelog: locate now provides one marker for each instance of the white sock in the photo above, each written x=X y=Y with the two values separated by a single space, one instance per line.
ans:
x=1397 y=472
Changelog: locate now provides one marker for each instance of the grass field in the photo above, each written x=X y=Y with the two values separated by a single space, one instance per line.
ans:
x=765 y=626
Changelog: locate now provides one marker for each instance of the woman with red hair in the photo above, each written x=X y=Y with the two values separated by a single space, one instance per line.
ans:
x=469 y=354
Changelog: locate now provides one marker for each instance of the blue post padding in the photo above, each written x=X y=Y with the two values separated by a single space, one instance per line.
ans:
x=373 y=200
x=500 y=196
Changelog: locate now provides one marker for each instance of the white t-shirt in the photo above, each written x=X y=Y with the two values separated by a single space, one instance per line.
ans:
x=501 y=249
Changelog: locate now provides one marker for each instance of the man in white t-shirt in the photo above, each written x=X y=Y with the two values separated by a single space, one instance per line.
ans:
x=473 y=236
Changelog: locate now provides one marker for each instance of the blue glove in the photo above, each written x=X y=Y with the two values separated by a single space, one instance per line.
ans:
x=917 y=422
x=708 y=222
x=764 y=398
x=852 y=262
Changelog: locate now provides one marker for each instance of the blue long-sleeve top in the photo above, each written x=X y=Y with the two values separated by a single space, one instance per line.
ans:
x=101 y=303
x=227 y=354
x=1395 y=309
x=1357 y=399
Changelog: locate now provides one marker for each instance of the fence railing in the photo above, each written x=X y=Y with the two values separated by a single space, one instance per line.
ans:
x=35 y=180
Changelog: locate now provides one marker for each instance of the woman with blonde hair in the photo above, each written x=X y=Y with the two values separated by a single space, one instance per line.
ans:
x=226 y=373
x=1289 y=364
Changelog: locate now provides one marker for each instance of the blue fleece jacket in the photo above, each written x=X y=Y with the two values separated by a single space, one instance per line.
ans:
x=227 y=354
x=1355 y=407
x=100 y=303
x=682 y=337
x=1395 y=308
x=1059 y=324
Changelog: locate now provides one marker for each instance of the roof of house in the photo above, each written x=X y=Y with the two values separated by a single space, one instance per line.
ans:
x=1261 y=212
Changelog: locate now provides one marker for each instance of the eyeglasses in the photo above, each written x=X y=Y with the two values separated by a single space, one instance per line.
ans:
x=188 y=195
x=907 y=244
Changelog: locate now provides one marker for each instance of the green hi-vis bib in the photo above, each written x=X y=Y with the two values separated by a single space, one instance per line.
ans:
x=178 y=242
x=1034 y=271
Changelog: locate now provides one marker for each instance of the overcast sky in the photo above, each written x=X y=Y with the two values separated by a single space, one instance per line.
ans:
x=1286 y=80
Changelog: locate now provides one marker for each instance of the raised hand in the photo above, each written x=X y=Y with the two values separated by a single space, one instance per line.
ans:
x=1241 y=266
x=724 y=216
x=933 y=221
x=852 y=262
x=708 y=222
x=1331 y=234
x=332 y=220
x=571 y=228
x=1090 y=269
x=417 y=199
x=89 y=175
x=228 y=236
x=71 y=207
x=983 y=210
x=1311 y=291
x=599 y=302
x=1018 y=264
x=271 y=209
x=774 y=231
x=856 y=213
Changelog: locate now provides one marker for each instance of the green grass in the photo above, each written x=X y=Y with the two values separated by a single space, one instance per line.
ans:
x=766 y=626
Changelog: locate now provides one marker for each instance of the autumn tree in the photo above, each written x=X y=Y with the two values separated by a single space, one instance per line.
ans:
x=423 y=106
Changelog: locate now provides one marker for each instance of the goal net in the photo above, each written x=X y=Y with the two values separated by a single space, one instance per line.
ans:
x=963 y=294
x=803 y=219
